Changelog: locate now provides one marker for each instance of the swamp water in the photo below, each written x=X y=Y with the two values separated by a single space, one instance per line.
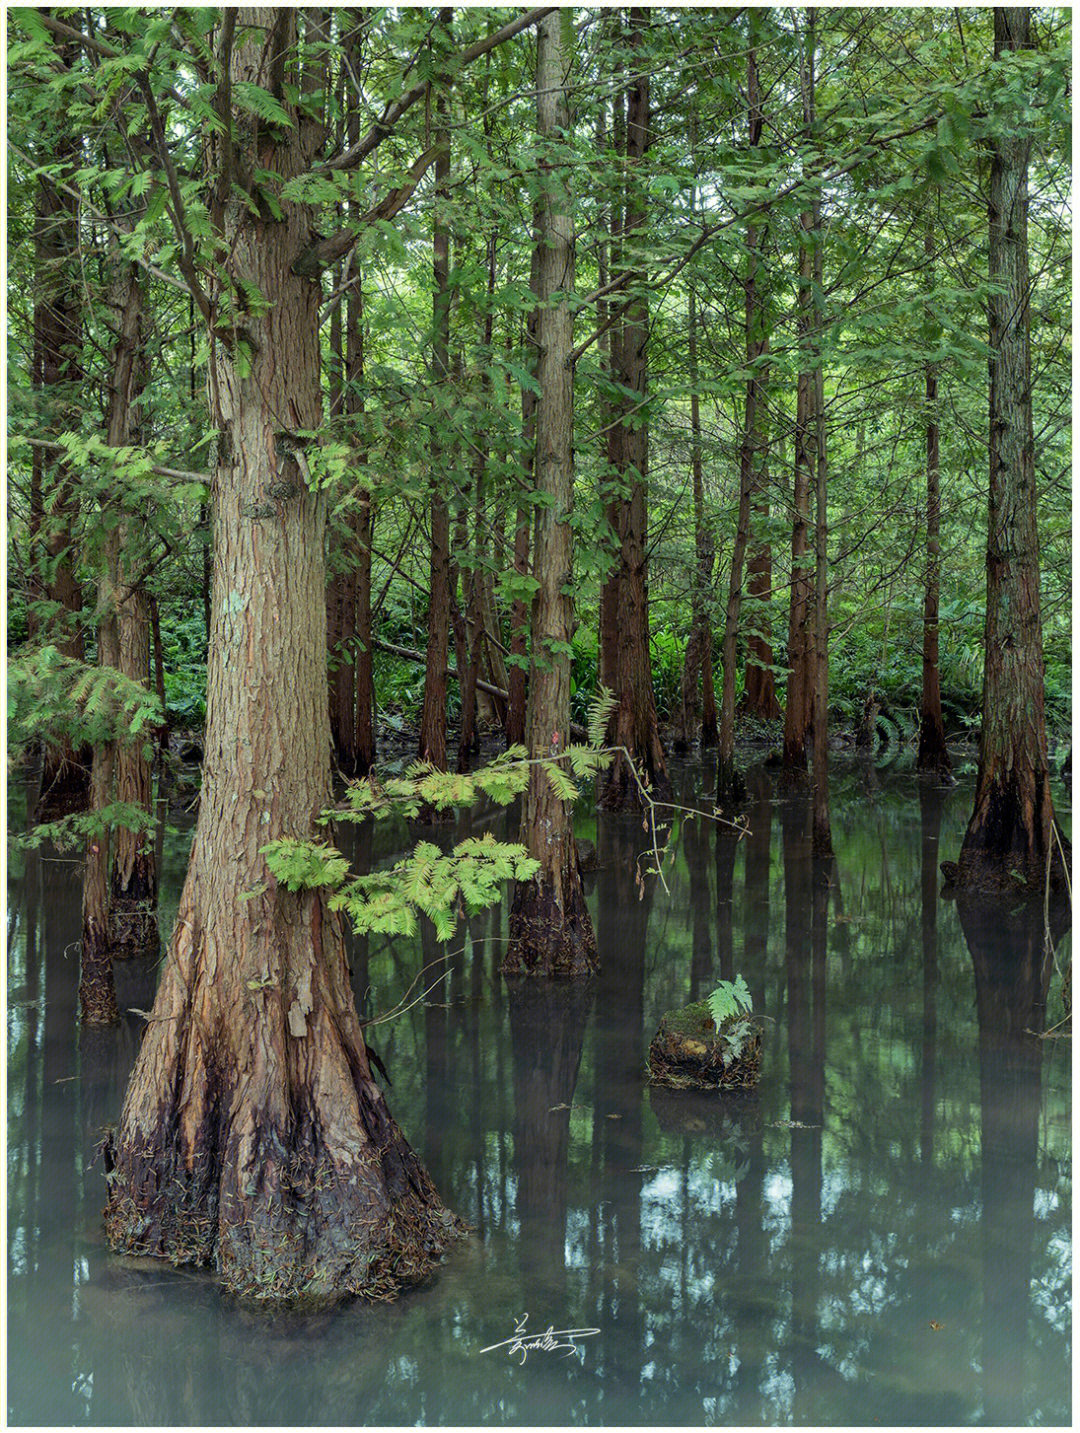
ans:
x=880 y=1234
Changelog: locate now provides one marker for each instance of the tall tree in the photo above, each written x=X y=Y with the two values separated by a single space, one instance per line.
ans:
x=253 y=1134
x=433 y=716
x=636 y=730
x=933 y=752
x=551 y=931
x=1010 y=838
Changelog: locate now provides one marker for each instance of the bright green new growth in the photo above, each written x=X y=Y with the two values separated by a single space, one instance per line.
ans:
x=440 y=885
x=730 y=998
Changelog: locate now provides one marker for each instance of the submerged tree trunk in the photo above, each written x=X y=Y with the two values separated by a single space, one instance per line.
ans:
x=1010 y=838
x=253 y=1136
x=551 y=932
x=636 y=728
x=933 y=752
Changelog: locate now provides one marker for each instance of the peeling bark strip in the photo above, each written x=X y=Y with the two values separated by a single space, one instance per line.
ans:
x=1009 y=839
x=245 y=1142
x=551 y=932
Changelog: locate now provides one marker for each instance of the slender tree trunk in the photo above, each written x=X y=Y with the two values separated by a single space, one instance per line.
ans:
x=433 y=714
x=636 y=728
x=159 y=681
x=612 y=352
x=821 y=837
x=97 y=991
x=363 y=739
x=551 y=931
x=698 y=695
x=115 y=775
x=135 y=869
x=65 y=772
x=341 y=588
x=933 y=752
x=517 y=683
x=1010 y=838
x=799 y=687
x=253 y=1135
x=759 y=690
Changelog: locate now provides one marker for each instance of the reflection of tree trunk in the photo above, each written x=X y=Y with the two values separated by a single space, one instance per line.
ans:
x=547 y=1024
x=727 y=844
x=804 y=889
x=931 y=801
x=621 y=1040
x=756 y=875
x=1012 y=970
x=697 y=835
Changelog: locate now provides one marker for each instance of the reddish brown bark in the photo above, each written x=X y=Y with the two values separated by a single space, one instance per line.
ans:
x=1010 y=839
x=551 y=931
x=253 y=1136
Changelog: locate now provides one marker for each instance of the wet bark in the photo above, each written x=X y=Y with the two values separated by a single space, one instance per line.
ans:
x=1010 y=839
x=933 y=753
x=551 y=931
x=253 y=1136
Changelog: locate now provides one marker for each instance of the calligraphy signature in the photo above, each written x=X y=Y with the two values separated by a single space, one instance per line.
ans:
x=524 y=1342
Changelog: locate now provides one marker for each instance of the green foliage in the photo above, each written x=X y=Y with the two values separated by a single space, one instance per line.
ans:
x=71 y=832
x=730 y=1005
x=730 y=999
x=54 y=698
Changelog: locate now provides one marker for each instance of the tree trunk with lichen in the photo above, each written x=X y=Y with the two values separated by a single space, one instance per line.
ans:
x=1010 y=839
x=253 y=1137
x=551 y=931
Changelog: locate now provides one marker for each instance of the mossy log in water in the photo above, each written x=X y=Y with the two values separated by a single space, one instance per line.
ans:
x=689 y=1053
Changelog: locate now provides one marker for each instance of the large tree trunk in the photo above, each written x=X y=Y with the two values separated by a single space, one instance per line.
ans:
x=1010 y=838
x=551 y=931
x=636 y=728
x=933 y=752
x=253 y=1136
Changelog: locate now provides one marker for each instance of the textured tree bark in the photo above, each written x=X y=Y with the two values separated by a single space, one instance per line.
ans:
x=551 y=931
x=253 y=1136
x=933 y=752
x=135 y=869
x=1010 y=837
x=517 y=679
x=636 y=728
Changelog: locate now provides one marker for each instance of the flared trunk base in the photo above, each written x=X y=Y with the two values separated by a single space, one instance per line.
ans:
x=549 y=938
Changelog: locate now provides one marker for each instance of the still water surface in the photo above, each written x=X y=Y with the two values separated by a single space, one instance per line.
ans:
x=880 y=1234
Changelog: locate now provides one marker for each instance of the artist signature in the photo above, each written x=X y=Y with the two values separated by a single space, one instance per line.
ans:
x=524 y=1342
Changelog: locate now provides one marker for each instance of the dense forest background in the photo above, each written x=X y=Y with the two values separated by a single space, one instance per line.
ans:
x=609 y=383
x=897 y=164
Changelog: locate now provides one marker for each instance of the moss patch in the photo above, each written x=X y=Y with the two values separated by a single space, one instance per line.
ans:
x=688 y=1052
